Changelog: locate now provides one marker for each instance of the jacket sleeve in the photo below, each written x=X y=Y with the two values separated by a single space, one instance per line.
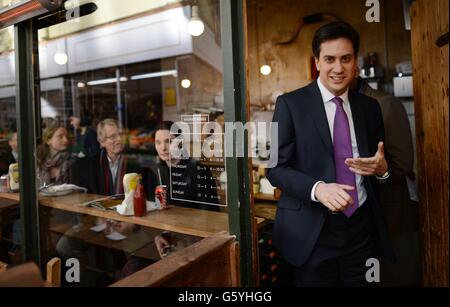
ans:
x=379 y=135
x=399 y=145
x=289 y=180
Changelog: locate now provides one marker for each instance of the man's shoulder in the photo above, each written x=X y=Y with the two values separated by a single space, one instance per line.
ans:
x=301 y=94
x=363 y=99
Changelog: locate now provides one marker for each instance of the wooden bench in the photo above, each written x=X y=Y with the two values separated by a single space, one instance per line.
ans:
x=211 y=262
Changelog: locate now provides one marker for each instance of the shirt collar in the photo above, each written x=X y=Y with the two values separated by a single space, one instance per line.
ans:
x=327 y=95
x=110 y=161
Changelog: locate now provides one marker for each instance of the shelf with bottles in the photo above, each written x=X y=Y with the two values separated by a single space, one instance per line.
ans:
x=269 y=259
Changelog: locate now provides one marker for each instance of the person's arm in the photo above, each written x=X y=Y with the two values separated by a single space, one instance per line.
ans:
x=291 y=181
x=84 y=174
x=149 y=178
x=376 y=165
x=399 y=145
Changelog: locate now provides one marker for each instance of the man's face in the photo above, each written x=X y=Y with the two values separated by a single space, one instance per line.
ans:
x=336 y=65
x=13 y=142
x=113 y=140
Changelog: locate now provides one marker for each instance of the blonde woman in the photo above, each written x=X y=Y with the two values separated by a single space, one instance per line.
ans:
x=53 y=157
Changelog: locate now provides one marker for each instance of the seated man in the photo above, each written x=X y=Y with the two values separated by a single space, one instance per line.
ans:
x=103 y=174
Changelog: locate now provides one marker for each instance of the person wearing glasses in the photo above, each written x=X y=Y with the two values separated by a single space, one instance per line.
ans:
x=103 y=173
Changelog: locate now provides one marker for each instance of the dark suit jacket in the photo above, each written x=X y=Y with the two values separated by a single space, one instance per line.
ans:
x=6 y=158
x=93 y=173
x=401 y=214
x=305 y=156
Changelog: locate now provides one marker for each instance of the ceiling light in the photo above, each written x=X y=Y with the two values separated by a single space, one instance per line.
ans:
x=186 y=83
x=155 y=74
x=81 y=84
x=195 y=25
x=106 y=81
x=265 y=70
x=60 y=58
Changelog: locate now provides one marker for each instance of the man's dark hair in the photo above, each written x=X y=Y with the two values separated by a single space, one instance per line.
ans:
x=335 y=30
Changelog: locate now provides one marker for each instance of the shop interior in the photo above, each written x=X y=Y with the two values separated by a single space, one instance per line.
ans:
x=139 y=63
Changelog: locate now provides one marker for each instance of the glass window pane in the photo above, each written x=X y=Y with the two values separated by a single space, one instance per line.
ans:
x=10 y=227
x=137 y=101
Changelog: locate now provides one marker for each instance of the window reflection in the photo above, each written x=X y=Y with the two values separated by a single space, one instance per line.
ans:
x=115 y=104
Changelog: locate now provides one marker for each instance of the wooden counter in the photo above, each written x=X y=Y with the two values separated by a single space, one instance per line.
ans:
x=195 y=222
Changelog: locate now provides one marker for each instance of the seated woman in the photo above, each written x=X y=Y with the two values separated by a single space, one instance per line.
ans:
x=54 y=166
x=53 y=157
x=182 y=175
x=186 y=179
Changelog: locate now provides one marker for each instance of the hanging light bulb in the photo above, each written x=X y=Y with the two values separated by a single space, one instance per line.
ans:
x=195 y=25
x=60 y=58
x=186 y=83
x=265 y=70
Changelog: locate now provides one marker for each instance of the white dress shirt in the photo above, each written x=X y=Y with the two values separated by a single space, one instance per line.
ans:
x=15 y=155
x=330 y=109
x=114 y=167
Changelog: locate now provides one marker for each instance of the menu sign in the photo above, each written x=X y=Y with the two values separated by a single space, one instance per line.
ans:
x=197 y=176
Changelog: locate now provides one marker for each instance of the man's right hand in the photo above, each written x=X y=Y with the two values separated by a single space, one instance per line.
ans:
x=334 y=196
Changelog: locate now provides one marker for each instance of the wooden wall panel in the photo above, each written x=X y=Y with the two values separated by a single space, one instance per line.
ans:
x=270 y=21
x=429 y=21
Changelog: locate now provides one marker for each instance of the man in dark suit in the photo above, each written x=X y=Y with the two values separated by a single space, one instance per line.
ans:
x=330 y=161
x=103 y=174
x=402 y=216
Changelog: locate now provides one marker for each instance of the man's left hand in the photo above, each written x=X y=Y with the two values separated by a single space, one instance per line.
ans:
x=375 y=165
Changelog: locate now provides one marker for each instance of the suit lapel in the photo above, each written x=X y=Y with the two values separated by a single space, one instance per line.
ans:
x=319 y=116
x=359 y=123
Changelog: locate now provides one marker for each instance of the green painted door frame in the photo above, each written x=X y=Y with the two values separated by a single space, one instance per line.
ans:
x=27 y=100
x=238 y=180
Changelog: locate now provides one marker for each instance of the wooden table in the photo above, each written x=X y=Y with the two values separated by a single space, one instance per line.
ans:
x=139 y=243
x=195 y=222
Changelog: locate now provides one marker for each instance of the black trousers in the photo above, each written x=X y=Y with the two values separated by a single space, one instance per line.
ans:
x=340 y=254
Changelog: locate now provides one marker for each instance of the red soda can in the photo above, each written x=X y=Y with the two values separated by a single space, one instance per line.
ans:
x=161 y=196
